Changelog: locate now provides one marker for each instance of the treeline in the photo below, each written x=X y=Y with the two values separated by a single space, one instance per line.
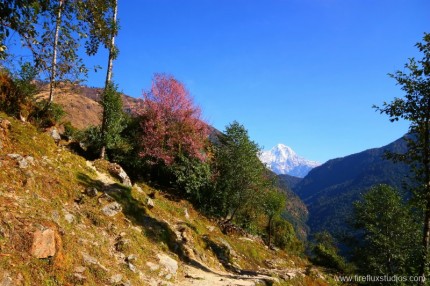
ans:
x=165 y=142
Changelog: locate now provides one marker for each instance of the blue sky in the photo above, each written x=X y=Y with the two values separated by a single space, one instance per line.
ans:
x=300 y=72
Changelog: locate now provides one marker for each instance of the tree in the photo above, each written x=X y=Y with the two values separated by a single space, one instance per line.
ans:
x=55 y=45
x=415 y=108
x=241 y=177
x=171 y=123
x=19 y=16
x=388 y=233
x=114 y=119
x=274 y=205
x=108 y=38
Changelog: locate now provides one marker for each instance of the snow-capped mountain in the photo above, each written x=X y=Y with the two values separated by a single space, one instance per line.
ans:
x=281 y=159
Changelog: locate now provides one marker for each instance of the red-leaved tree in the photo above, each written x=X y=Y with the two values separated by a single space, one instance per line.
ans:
x=171 y=123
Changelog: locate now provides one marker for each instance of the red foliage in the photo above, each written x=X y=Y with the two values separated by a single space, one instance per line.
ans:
x=171 y=123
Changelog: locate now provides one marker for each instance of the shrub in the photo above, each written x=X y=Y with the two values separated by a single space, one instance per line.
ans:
x=17 y=92
x=47 y=115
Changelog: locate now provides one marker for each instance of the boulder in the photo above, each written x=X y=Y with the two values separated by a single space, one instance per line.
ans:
x=91 y=192
x=115 y=278
x=169 y=264
x=149 y=202
x=4 y=125
x=55 y=135
x=43 y=243
x=69 y=217
x=23 y=162
x=117 y=171
x=112 y=209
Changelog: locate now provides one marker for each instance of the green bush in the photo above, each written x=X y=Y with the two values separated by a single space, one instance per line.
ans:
x=326 y=254
x=47 y=115
x=285 y=237
x=69 y=130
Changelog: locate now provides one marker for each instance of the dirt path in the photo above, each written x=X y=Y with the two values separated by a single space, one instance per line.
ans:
x=102 y=177
x=196 y=276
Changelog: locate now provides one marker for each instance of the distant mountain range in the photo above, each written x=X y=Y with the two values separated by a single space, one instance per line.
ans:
x=281 y=159
x=330 y=189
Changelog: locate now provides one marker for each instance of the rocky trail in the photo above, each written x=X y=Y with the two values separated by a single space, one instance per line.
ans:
x=196 y=272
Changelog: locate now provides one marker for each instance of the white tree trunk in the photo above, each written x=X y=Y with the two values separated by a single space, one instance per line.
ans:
x=54 y=55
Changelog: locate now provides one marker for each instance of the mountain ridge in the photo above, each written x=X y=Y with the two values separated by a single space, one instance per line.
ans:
x=282 y=159
x=330 y=189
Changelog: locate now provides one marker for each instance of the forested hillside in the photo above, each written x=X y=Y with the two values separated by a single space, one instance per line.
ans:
x=330 y=189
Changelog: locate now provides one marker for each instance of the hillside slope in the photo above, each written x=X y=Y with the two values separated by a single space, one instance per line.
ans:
x=65 y=221
x=330 y=189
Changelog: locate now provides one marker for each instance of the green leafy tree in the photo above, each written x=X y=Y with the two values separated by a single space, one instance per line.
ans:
x=274 y=203
x=414 y=107
x=55 y=45
x=21 y=17
x=241 y=177
x=388 y=233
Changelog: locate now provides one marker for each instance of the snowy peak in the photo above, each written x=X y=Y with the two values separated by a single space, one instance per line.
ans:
x=281 y=159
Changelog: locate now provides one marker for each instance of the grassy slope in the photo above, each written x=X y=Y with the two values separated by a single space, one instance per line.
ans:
x=46 y=192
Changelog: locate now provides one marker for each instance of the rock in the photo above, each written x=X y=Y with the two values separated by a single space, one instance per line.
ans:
x=152 y=266
x=115 y=278
x=138 y=189
x=112 y=209
x=91 y=192
x=4 y=123
x=169 y=264
x=117 y=171
x=81 y=278
x=89 y=259
x=228 y=246
x=130 y=258
x=30 y=160
x=121 y=244
x=6 y=281
x=55 y=135
x=149 y=202
x=43 y=243
x=187 y=215
x=55 y=216
x=22 y=162
x=79 y=269
x=132 y=267
x=69 y=217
